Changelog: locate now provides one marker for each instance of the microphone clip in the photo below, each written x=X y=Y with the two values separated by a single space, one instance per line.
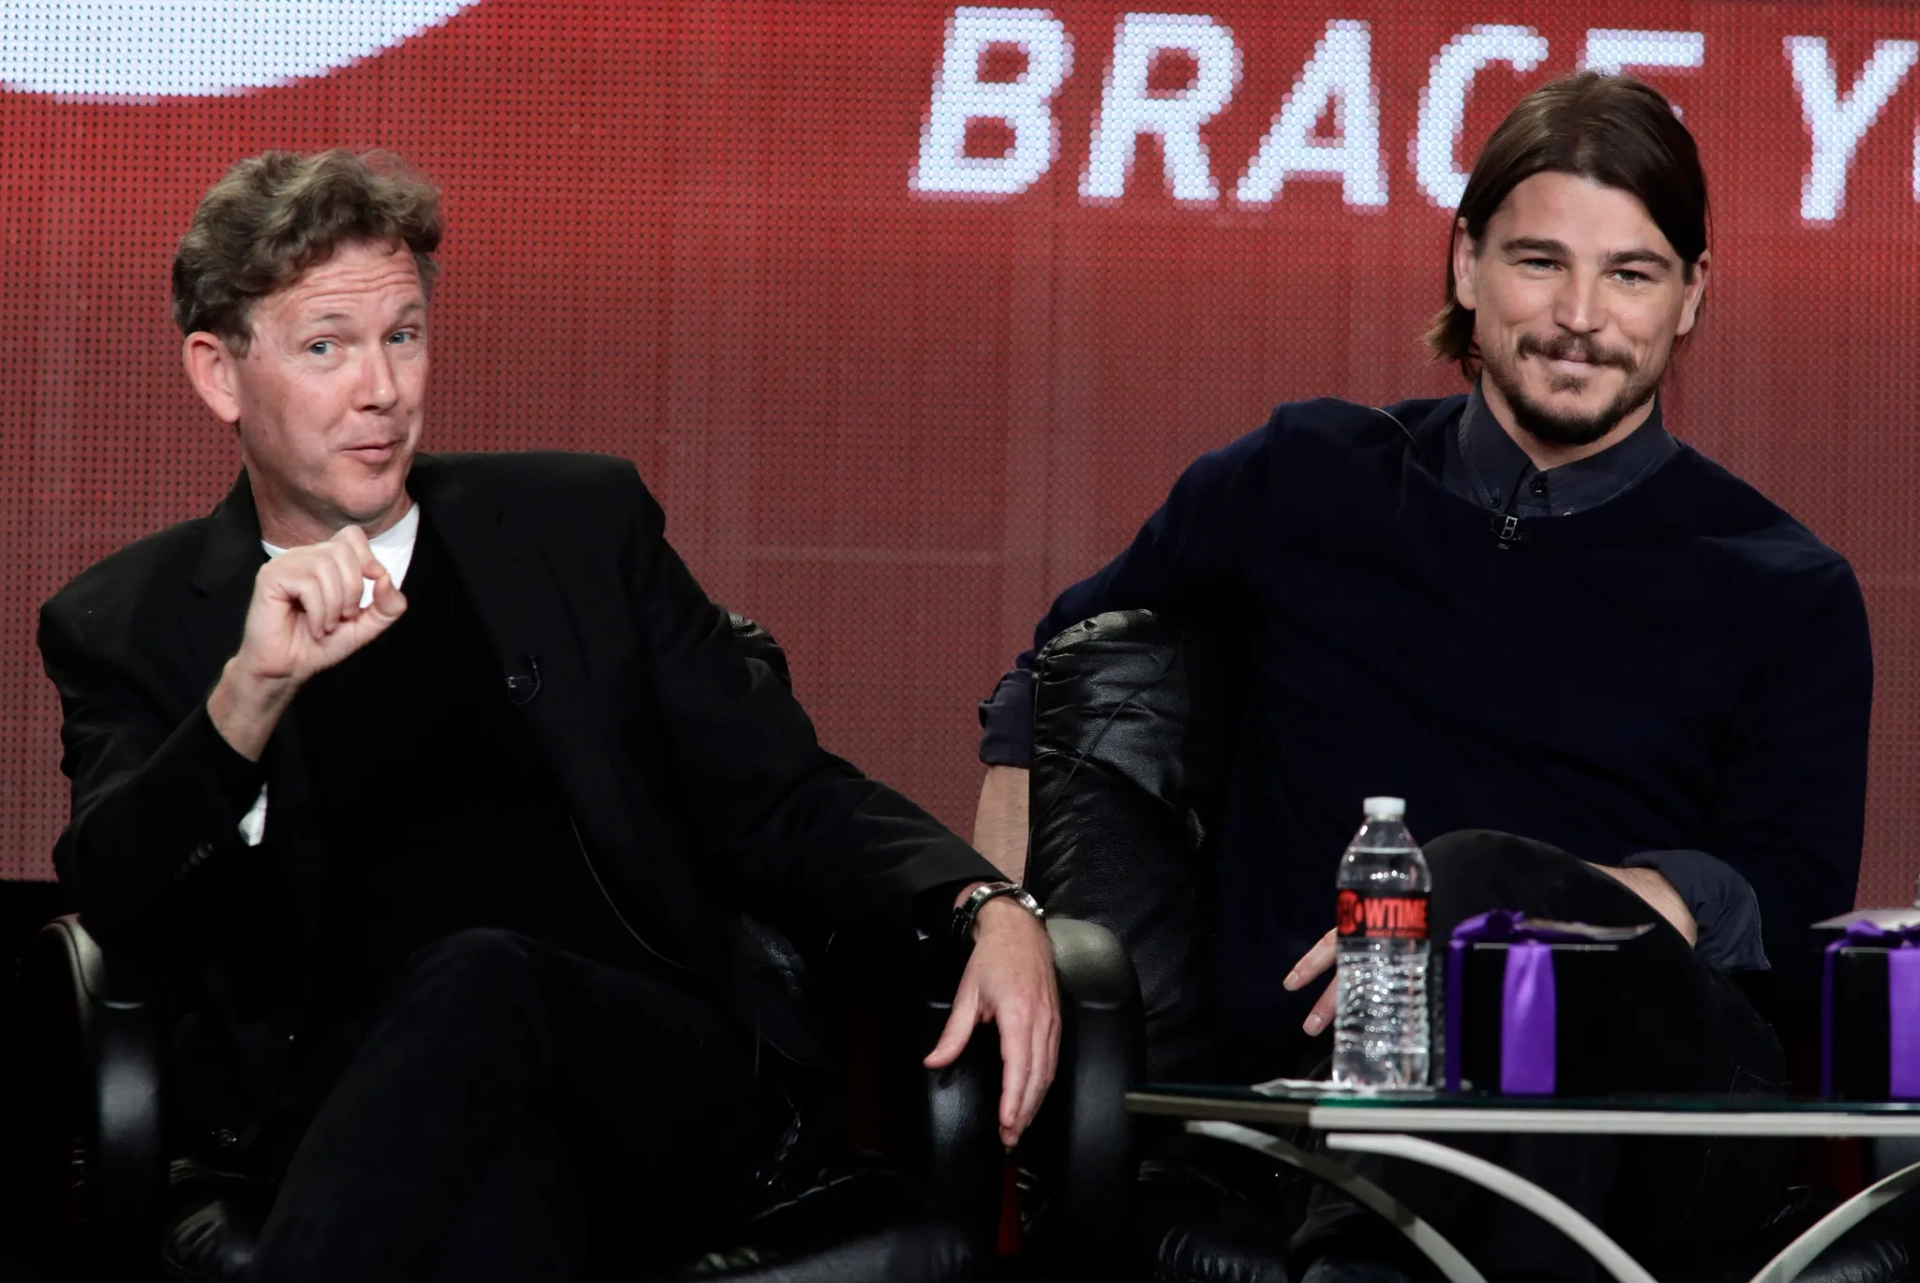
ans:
x=1507 y=530
x=522 y=687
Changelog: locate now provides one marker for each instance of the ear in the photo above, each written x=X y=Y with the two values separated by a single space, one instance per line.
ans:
x=1695 y=291
x=1463 y=256
x=214 y=372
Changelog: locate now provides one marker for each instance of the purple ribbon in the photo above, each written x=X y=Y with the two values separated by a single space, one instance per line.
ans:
x=1903 y=1004
x=1528 y=1007
x=1528 y=1017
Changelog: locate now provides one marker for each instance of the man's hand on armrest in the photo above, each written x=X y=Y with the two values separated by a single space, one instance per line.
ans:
x=1009 y=983
x=1000 y=820
x=1652 y=886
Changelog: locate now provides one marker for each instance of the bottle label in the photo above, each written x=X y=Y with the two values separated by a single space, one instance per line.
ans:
x=1382 y=917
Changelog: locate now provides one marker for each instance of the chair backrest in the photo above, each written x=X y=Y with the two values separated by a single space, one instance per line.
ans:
x=1131 y=743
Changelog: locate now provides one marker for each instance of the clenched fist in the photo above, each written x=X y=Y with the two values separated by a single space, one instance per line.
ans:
x=306 y=615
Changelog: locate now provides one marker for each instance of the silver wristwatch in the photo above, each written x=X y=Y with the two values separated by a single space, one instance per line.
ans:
x=969 y=908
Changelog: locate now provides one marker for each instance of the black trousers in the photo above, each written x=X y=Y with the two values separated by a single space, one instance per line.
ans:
x=509 y=1111
x=1686 y=1029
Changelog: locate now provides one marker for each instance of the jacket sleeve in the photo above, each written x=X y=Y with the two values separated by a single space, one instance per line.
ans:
x=1184 y=560
x=795 y=827
x=154 y=799
x=1726 y=912
x=1793 y=788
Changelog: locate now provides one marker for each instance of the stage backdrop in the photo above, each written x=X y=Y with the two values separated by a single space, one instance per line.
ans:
x=910 y=313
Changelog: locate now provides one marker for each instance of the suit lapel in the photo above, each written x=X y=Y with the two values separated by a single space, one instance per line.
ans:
x=224 y=580
x=504 y=568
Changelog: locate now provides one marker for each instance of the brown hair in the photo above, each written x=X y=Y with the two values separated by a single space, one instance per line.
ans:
x=273 y=216
x=1611 y=130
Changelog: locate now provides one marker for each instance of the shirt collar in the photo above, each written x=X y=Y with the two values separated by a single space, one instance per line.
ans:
x=392 y=548
x=1496 y=473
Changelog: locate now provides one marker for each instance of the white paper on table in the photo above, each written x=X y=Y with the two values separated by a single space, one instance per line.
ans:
x=1907 y=917
x=1327 y=1087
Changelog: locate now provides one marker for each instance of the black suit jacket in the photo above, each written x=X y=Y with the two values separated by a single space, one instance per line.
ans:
x=693 y=776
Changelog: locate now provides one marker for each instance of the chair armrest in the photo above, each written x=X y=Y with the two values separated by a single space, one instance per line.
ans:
x=894 y=997
x=96 y=1039
x=1084 y=1137
x=957 y=1109
x=1087 y=1140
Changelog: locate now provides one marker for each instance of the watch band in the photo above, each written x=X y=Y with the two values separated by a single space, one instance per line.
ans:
x=969 y=908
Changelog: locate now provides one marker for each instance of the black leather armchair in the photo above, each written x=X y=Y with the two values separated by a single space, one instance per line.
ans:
x=1133 y=728
x=113 y=1208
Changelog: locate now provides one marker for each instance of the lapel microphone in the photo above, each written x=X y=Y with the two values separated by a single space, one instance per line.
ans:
x=522 y=687
x=1504 y=525
x=1507 y=530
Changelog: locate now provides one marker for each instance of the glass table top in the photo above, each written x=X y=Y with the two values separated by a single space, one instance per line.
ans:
x=1319 y=1108
x=1323 y=1094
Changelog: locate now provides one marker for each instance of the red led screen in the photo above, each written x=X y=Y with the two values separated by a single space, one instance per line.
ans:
x=910 y=313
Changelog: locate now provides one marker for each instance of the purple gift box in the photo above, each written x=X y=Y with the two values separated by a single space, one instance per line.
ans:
x=1870 y=1014
x=1531 y=1005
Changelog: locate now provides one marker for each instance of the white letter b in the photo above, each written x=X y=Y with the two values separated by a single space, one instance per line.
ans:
x=959 y=96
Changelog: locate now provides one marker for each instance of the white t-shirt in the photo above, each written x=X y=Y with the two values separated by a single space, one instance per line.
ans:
x=392 y=548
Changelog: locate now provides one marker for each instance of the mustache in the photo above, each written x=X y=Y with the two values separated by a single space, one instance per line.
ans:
x=1576 y=347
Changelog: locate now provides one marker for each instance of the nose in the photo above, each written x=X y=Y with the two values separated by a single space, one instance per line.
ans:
x=1578 y=306
x=377 y=390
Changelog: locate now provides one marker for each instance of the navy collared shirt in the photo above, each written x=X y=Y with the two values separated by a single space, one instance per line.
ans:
x=1487 y=467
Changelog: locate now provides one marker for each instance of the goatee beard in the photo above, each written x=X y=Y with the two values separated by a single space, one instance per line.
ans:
x=1551 y=428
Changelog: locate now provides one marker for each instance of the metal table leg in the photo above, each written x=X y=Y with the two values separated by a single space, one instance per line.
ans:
x=1427 y=1240
x=1516 y=1189
x=1800 y=1253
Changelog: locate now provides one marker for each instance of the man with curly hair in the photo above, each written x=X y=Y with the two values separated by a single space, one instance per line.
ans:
x=451 y=785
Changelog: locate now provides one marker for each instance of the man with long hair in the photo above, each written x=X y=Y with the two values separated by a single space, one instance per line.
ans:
x=1614 y=682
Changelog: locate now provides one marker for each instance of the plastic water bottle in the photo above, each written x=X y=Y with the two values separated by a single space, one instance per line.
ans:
x=1380 y=1017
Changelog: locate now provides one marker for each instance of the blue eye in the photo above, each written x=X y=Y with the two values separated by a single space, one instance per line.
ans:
x=320 y=347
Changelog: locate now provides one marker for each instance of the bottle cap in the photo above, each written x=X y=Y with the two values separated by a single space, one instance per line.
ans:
x=1385 y=808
